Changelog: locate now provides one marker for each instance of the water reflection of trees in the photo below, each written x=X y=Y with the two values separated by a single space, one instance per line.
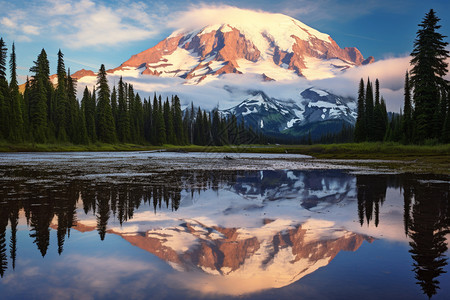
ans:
x=426 y=221
x=47 y=206
x=426 y=207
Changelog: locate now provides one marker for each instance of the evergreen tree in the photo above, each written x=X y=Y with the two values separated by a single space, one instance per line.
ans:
x=215 y=128
x=3 y=54
x=148 y=120
x=132 y=112
x=62 y=101
x=139 y=119
x=407 y=112
x=379 y=126
x=446 y=126
x=72 y=107
x=4 y=97
x=114 y=105
x=88 y=108
x=106 y=130
x=168 y=121
x=123 y=118
x=161 y=127
x=369 y=112
x=41 y=91
x=360 y=127
x=16 y=131
x=178 y=121
x=429 y=68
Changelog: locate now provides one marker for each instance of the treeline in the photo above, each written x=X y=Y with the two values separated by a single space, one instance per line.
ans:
x=48 y=113
x=426 y=109
x=372 y=121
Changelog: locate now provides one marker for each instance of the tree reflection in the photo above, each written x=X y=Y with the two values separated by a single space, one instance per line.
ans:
x=371 y=195
x=41 y=203
x=427 y=230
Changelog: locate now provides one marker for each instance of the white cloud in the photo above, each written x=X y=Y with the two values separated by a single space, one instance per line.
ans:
x=84 y=23
x=8 y=22
x=30 y=29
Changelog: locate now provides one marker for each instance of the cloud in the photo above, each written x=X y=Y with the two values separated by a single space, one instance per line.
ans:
x=30 y=29
x=84 y=23
x=8 y=22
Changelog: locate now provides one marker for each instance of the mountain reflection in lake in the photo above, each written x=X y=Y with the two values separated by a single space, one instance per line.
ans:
x=252 y=234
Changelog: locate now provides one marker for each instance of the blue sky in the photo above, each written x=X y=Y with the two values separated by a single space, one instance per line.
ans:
x=90 y=32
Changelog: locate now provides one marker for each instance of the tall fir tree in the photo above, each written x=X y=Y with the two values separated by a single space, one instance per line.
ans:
x=428 y=69
x=123 y=118
x=88 y=108
x=407 y=126
x=369 y=106
x=41 y=92
x=360 y=127
x=106 y=130
x=379 y=126
x=178 y=121
x=4 y=97
x=62 y=101
x=161 y=126
x=139 y=119
x=446 y=127
x=168 y=121
x=16 y=131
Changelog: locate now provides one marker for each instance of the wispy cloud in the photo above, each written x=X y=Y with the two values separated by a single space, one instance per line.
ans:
x=83 y=23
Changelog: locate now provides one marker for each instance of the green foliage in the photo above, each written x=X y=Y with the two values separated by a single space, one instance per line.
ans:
x=41 y=91
x=106 y=130
x=428 y=69
x=360 y=127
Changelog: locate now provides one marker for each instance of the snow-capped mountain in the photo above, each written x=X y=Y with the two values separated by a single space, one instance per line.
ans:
x=273 y=116
x=272 y=57
x=278 y=48
x=252 y=234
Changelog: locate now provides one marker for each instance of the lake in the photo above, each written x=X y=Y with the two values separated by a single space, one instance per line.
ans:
x=152 y=225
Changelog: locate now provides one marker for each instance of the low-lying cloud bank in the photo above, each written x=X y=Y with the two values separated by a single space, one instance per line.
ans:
x=229 y=90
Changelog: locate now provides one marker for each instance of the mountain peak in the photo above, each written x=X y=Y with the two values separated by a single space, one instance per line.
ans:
x=274 y=46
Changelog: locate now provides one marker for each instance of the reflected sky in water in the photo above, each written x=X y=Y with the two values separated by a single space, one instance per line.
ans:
x=321 y=234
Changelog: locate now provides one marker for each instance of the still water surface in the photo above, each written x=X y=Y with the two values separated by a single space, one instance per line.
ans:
x=110 y=231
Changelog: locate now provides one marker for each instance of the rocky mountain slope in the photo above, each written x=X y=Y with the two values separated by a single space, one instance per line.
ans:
x=281 y=48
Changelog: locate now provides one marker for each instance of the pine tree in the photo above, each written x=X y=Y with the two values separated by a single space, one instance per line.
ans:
x=168 y=121
x=132 y=112
x=446 y=126
x=41 y=91
x=123 y=118
x=3 y=54
x=360 y=127
x=72 y=107
x=379 y=125
x=4 y=95
x=177 y=121
x=16 y=131
x=369 y=112
x=62 y=101
x=148 y=120
x=429 y=68
x=407 y=112
x=114 y=105
x=161 y=128
x=88 y=108
x=106 y=130
x=139 y=119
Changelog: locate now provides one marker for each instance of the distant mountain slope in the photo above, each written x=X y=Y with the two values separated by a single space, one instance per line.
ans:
x=294 y=118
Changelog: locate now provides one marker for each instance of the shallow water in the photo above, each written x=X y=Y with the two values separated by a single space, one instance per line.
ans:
x=146 y=225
